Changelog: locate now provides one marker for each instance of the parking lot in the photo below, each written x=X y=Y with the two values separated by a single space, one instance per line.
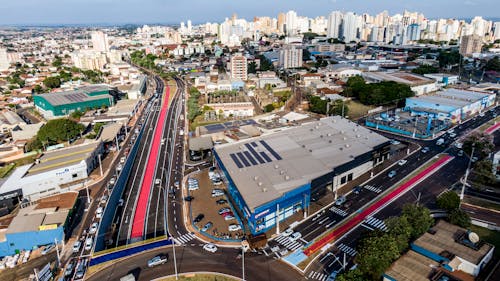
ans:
x=207 y=207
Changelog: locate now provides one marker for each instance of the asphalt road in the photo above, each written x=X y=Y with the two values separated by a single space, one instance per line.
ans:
x=194 y=258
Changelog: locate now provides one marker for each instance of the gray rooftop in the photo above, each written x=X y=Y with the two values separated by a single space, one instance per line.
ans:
x=62 y=158
x=296 y=156
x=75 y=96
x=469 y=96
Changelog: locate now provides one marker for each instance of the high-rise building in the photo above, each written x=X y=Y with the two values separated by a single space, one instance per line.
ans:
x=239 y=67
x=496 y=32
x=4 y=60
x=100 y=41
x=334 y=22
x=470 y=44
x=291 y=23
x=281 y=23
x=413 y=32
x=290 y=57
x=350 y=27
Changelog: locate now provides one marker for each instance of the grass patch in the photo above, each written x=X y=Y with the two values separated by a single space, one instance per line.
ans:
x=200 y=277
x=488 y=235
x=5 y=170
x=357 y=109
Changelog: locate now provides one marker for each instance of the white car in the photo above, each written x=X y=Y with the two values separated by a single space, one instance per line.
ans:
x=93 y=228
x=76 y=246
x=287 y=232
x=88 y=243
x=452 y=135
x=295 y=236
x=112 y=181
x=161 y=259
x=402 y=162
x=104 y=198
x=459 y=145
x=98 y=213
x=157 y=181
x=234 y=227
x=229 y=217
x=119 y=168
x=210 y=248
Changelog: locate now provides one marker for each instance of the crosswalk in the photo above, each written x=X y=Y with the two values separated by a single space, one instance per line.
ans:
x=287 y=243
x=376 y=223
x=372 y=188
x=183 y=239
x=346 y=249
x=338 y=211
x=317 y=276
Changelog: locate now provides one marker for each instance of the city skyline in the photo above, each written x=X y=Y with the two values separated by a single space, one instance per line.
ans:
x=98 y=12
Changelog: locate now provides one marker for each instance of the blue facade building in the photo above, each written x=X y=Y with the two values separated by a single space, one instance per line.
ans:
x=274 y=176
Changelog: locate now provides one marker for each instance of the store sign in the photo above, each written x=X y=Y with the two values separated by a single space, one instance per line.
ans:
x=63 y=172
x=261 y=213
x=47 y=227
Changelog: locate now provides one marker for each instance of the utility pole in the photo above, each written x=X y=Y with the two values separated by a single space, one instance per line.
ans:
x=175 y=260
x=277 y=219
x=466 y=175
x=100 y=163
x=243 y=262
x=58 y=255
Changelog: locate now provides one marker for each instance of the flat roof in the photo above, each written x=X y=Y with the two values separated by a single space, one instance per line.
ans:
x=267 y=167
x=75 y=96
x=400 y=77
x=444 y=240
x=469 y=96
x=440 y=101
x=201 y=143
x=110 y=131
x=412 y=267
x=62 y=157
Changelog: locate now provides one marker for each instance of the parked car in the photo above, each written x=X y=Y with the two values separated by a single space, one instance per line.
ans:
x=98 y=212
x=198 y=218
x=157 y=260
x=47 y=249
x=227 y=214
x=207 y=226
x=224 y=210
x=69 y=269
x=122 y=160
x=104 y=198
x=188 y=198
x=88 y=243
x=221 y=202
x=234 y=227
x=391 y=174
x=76 y=246
x=112 y=180
x=229 y=217
x=295 y=236
x=217 y=193
x=210 y=248
x=93 y=228
x=287 y=232
x=340 y=200
x=217 y=181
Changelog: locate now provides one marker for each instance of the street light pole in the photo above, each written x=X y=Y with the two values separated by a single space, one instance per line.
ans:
x=466 y=175
x=175 y=260
x=243 y=262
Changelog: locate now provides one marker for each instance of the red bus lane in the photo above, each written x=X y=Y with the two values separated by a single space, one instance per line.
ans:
x=335 y=234
x=142 y=202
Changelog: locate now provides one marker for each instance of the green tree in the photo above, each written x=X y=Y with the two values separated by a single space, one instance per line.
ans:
x=52 y=82
x=252 y=67
x=401 y=229
x=269 y=107
x=265 y=64
x=448 y=58
x=97 y=127
x=58 y=130
x=460 y=218
x=76 y=114
x=448 y=201
x=483 y=172
x=37 y=89
x=352 y=275
x=419 y=217
x=424 y=69
x=482 y=142
x=493 y=64
x=375 y=254
x=57 y=62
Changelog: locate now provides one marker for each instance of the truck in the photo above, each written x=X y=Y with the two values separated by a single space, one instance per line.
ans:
x=440 y=141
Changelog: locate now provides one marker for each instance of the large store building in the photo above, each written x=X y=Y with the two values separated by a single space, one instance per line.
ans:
x=54 y=172
x=277 y=173
x=53 y=105
x=452 y=104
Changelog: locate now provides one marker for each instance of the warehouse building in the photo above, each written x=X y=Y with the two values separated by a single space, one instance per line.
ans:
x=53 y=105
x=38 y=224
x=54 y=172
x=274 y=175
x=452 y=104
x=418 y=84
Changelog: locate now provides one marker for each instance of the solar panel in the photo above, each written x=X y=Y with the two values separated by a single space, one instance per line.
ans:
x=264 y=155
x=271 y=150
x=236 y=161
x=254 y=153
x=243 y=159
x=254 y=144
x=247 y=154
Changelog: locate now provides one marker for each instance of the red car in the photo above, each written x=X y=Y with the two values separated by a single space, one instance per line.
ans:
x=227 y=214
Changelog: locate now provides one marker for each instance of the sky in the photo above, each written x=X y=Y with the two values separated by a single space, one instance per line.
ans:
x=44 y=12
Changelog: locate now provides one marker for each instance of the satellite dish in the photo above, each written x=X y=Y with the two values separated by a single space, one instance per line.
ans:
x=473 y=237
